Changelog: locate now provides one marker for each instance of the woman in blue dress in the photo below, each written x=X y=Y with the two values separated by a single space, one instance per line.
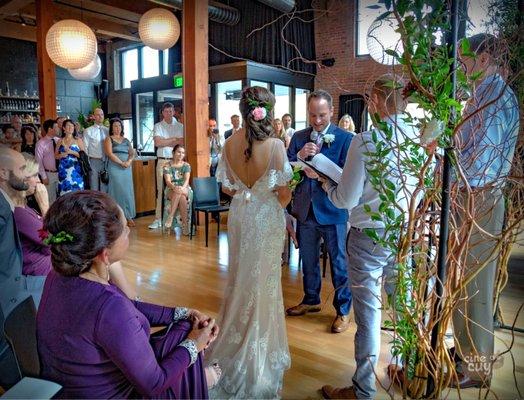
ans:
x=120 y=153
x=67 y=151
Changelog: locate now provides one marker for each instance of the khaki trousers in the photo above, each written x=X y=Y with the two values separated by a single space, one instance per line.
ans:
x=161 y=163
x=473 y=319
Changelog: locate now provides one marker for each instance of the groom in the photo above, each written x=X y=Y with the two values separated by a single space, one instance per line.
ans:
x=317 y=216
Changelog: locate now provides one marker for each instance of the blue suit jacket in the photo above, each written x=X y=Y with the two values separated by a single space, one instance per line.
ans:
x=309 y=191
x=14 y=287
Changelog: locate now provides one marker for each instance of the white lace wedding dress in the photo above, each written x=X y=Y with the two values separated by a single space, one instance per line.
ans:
x=252 y=347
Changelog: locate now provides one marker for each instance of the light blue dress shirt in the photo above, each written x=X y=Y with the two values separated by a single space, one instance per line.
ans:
x=487 y=140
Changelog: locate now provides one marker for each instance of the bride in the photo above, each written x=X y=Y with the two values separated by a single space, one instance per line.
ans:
x=252 y=349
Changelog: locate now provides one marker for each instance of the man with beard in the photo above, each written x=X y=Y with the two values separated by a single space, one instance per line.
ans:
x=14 y=287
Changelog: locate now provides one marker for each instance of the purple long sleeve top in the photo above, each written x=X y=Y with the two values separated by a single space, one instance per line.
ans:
x=94 y=341
x=35 y=254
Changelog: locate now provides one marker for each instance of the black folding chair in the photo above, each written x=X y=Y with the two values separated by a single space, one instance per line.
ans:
x=19 y=363
x=206 y=198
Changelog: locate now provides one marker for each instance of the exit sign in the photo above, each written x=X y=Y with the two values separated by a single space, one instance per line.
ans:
x=178 y=81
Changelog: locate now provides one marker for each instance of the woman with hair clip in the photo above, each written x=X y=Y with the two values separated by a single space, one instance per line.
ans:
x=95 y=341
x=253 y=351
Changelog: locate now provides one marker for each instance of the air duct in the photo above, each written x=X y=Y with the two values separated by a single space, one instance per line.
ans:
x=217 y=12
x=284 y=6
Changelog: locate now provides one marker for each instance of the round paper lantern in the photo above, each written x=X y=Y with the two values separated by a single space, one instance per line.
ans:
x=159 y=29
x=71 y=44
x=381 y=37
x=90 y=71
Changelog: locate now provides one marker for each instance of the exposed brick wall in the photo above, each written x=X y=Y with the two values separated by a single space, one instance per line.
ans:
x=335 y=35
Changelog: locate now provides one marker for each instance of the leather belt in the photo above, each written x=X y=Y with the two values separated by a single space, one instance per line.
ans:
x=95 y=158
x=48 y=170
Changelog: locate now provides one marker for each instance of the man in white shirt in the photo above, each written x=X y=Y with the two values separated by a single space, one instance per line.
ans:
x=286 y=121
x=94 y=137
x=368 y=261
x=166 y=135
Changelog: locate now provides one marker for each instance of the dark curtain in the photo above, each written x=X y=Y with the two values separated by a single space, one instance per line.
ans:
x=355 y=106
x=265 y=46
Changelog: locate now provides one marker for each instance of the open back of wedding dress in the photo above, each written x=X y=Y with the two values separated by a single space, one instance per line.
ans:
x=252 y=347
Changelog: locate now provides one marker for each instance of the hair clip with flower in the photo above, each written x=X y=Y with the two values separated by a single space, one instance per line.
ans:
x=61 y=237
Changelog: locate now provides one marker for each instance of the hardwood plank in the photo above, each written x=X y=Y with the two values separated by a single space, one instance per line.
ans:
x=184 y=272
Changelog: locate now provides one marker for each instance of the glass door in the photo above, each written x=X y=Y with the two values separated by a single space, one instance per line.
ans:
x=145 y=120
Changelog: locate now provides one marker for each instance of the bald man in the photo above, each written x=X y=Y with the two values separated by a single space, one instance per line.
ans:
x=94 y=137
x=14 y=287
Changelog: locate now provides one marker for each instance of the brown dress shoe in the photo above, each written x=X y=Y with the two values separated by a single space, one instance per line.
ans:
x=340 y=324
x=301 y=309
x=330 y=392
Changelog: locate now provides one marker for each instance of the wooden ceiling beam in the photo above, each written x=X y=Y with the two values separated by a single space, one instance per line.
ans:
x=100 y=26
x=137 y=7
x=10 y=7
x=15 y=30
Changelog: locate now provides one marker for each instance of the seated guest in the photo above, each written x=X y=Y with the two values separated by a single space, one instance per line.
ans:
x=105 y=349
x=67 y=151
x=36 y=255
x=120 y=153
x=28 y=139
x=178 y=194
x=15 y=287
x=346 y=123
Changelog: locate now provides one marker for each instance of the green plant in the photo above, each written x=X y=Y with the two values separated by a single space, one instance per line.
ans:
x=427 y=66
x=89 y=120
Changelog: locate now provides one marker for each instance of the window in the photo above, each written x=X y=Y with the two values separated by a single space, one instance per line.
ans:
x=369 y=10
x=259 y=83
x=149 y=65
x=150 y=61
x=145 y=120
x=165 y=66
x=227 y=99
x=282 y=100
x=478 y=16
x=128 y=129
x=300 y=116
x=129 y=67
x=365 y=17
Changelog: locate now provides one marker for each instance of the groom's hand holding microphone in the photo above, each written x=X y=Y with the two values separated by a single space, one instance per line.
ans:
x=308 y=152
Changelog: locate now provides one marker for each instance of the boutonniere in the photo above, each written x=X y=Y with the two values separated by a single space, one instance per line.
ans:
x=328 y=138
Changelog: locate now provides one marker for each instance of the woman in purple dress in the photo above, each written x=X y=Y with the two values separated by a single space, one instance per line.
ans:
x=92 y=339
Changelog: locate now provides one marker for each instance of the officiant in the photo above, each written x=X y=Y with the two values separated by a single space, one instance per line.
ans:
x=316 y=216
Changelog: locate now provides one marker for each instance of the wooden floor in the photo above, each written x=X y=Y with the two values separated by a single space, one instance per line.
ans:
x=172 y=271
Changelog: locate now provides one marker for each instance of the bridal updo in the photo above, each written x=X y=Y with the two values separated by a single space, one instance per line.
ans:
x=256 y=107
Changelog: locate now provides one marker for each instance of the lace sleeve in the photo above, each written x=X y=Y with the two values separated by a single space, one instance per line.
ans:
x=280 y=171
x=223 y=173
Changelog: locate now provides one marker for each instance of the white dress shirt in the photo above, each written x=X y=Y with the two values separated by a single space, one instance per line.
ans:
x=355 y=190
x=94 y=137
x=164 y=130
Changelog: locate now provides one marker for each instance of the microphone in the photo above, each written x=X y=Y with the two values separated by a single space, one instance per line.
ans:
x=313 y=137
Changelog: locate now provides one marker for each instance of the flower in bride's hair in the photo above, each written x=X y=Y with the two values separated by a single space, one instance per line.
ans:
x=259 y=113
